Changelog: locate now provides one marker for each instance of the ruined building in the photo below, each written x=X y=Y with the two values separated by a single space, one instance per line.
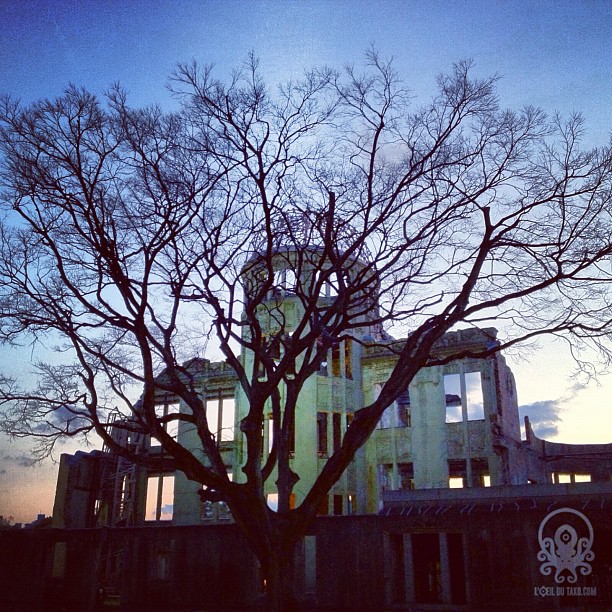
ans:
x=443 y=498
x=456 y=426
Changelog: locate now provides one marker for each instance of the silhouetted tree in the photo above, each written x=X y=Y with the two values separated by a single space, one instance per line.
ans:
x=132 y=236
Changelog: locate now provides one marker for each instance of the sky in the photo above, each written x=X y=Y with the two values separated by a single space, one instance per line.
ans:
x=556 y=55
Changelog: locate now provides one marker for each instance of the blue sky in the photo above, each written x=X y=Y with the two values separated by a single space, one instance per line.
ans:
x=552 y=54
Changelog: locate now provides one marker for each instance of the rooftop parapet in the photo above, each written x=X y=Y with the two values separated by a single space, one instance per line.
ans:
x=465 y=339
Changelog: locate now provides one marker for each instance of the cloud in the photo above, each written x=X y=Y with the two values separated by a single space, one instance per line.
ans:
x=63 y=414
x=545 y=415
x=17 y=460
x=167 y=511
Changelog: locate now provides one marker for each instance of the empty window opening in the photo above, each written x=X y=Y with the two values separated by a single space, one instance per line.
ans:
x=457 y=472
x=397 y=414
x=341 y=359
x=284 y=281
x=480 y=476
x=456 y=482
x=336 y=359
x=270 y=432
x=477 y=476
x=162 y=563
x=385 y=477
x=322 y=433
x=403 y=409
x=171 y=428
x=331 y=286
x=160 y=498
x=272 y=499
x=338 y=505
x=452 y=395
x=270 y=344
x=215 y=512
x=406 y=476
x=570 y=477
x=337 y=430
x=475 y=404
x=386 y=420
x=427 y=568
x=348 y=364
x=456 y=568
x=273 y=346
x=439 y=573
x=463 y=397
x=323 y=509
x=220 y=416
x=270 y=421
x=398 y=477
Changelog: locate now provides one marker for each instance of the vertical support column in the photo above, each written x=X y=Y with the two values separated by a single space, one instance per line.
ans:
x=310 y=564
x=366 y=459
x=408 y=568
x=266 y=436
x=394 y=469
x=494 y=420
x=429 y=437
x=186 y=499
x=218 y=433
x=445 y=581
x=306 y=458
x=465 y=427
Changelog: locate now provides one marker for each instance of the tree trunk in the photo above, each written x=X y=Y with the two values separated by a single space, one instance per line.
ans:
x=279 y=576
x=273 y=539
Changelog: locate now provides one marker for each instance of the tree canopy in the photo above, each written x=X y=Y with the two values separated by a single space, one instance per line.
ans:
x=134 y=238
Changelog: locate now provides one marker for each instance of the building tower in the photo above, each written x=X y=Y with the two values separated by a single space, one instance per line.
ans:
x=303 y=275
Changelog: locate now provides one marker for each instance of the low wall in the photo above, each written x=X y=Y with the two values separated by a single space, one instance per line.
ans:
x=486 y=555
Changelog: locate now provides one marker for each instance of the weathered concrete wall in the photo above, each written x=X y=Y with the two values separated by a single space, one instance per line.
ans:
x=353 y=563
x=77 y=485
x=429 y=435
x=143 y=568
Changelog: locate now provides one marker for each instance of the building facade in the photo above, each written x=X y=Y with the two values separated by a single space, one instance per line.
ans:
x=443 y=508
x=457 y=425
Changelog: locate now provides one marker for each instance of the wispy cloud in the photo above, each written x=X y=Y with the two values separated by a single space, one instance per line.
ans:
x=545 y=415
x=16 y=460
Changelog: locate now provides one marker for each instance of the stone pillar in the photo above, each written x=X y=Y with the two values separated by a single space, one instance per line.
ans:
x=429 y=440
x=187 y=505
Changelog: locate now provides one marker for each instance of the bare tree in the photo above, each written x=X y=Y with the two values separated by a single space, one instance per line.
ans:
x=126 y=229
